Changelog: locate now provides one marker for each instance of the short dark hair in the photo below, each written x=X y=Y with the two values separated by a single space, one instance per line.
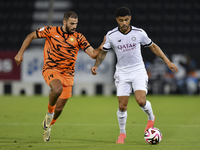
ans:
x=70 y=14
x=122 y=11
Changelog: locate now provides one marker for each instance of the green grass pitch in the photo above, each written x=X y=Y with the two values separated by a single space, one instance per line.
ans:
x=90 y=123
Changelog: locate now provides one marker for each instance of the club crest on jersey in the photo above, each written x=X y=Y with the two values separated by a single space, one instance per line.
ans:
x=71 y=39
x=133 y=38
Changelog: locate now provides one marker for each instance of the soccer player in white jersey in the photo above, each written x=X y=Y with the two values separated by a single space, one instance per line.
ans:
x=130 y=73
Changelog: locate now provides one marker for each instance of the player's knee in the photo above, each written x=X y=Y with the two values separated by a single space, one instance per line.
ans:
x=58 y=90
x=122 y=107
x=141 y=100
x=141 y=103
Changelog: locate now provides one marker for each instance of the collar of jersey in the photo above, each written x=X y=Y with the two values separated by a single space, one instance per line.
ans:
x=127 y=32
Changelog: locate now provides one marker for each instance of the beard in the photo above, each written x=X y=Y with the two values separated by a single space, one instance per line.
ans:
x=70 y=31
x=124 y=28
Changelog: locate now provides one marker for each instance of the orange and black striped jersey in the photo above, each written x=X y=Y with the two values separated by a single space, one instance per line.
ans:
x=61 y=49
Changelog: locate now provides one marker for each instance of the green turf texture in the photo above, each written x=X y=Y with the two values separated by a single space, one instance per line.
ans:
x=90 y=123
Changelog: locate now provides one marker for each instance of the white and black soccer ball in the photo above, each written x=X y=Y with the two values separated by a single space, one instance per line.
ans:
x=153 y=136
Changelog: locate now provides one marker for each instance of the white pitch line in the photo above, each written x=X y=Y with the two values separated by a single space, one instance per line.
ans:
x=82 y=124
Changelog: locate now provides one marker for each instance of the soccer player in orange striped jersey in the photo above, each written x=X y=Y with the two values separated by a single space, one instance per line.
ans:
x=60 y=53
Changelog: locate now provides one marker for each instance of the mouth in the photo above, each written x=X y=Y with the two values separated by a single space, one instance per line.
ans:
x=73 y=30
x=124 y=27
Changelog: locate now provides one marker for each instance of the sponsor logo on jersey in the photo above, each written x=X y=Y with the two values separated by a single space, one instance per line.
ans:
x=127 y=47
x=41 y=29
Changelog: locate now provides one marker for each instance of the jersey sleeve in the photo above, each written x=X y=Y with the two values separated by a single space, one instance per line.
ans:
x=145 y=40
x=83 y=43
x=107 y=45
x=43 y=32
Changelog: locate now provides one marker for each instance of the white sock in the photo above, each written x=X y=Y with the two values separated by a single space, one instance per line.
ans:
x=122 y=117
x=51 y=114
x=148 y=110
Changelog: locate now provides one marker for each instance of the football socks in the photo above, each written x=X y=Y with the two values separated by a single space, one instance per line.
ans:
x=51 y=108
x=148 y=110
x=122 y=117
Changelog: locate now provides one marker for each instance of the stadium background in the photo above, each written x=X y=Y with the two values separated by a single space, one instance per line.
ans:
x=174 y=25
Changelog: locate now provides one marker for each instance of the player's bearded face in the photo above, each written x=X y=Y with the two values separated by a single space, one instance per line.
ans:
x=70 y=25
x=124 y=23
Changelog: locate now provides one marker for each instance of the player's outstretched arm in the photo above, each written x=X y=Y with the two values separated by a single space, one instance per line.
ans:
x=100 y=57
x=156 y=50
x=19 y=57
x=94 y=52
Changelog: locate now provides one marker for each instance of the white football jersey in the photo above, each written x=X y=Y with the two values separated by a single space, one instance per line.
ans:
x=127 y=47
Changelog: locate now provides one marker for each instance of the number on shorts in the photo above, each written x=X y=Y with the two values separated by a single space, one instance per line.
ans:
x=51 y=76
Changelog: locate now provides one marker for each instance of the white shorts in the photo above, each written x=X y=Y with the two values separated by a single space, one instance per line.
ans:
x=125 y=83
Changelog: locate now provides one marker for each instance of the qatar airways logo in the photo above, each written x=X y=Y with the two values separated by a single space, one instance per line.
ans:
x=127 y=47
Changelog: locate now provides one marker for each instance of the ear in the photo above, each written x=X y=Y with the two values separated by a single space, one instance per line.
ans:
x=116 y=19
x=64 y=22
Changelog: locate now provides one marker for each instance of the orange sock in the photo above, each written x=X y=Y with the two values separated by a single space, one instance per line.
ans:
x=51 y=108
x=53 y=121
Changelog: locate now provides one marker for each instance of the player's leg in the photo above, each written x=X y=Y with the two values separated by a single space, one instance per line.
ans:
x=122 y=112
x=140 y=88
x=60 y=103
x=56 y=90
x=64 y=96
x=122 y=117
x=52 y=78
x=145 y=105
x=123 y=92
x=58 y=109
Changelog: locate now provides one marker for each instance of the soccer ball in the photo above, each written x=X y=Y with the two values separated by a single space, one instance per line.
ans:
x=153 y=136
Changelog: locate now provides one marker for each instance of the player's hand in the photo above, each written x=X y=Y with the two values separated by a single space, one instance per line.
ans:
x=172 y=67
x=94 y=70
x=18 y=59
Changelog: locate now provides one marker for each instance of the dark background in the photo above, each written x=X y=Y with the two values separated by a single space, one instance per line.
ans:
x=174 y=25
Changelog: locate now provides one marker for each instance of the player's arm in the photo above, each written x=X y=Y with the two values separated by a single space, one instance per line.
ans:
x=100 y=57
x=26 y=43
x=94 y=52
x=156 y=50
